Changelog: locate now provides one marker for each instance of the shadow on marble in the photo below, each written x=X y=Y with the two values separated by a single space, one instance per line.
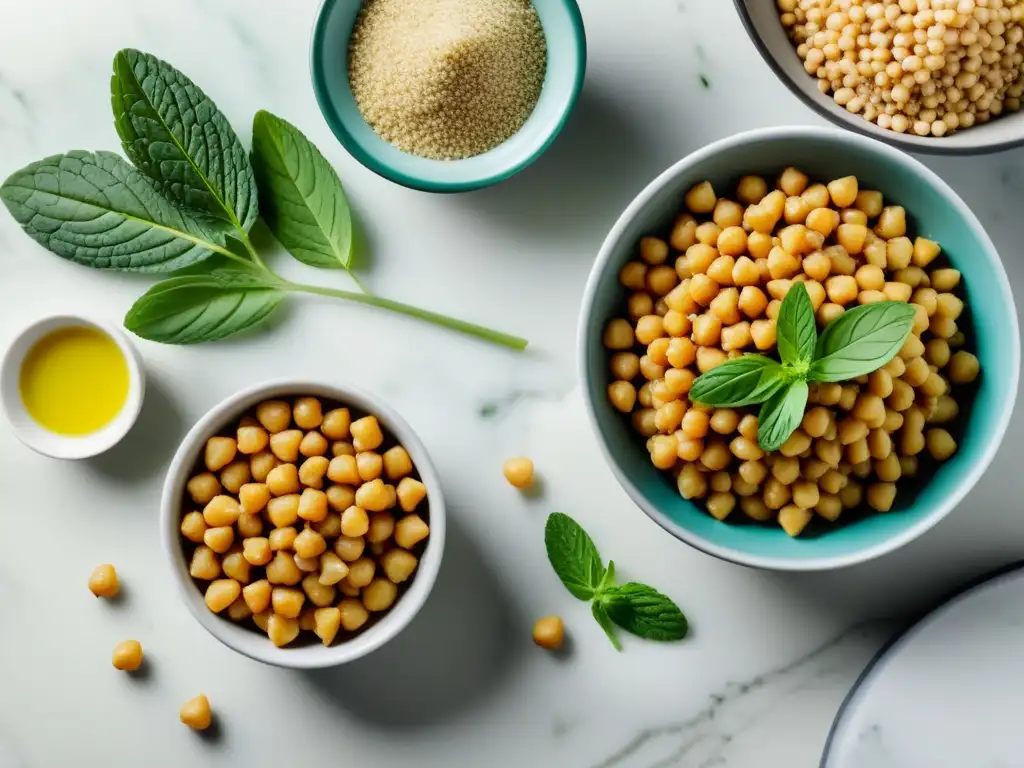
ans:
x=459 y=649
x=147 y=449
x=578 y=188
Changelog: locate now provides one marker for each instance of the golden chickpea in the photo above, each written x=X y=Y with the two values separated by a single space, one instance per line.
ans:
x=776 y=494
x=653 y=250
x=797 y=443
x=221 y=593
x=204 y=565
x=691 y=483
x=203 y=487
x=805 y=494
x=816 y=421
x=103 y=581
x=235 y=566
x=715 y=457
x=283 y=570
x=841 y=289
x=220 y=451
x=786 y=469
x=127 y=655
x=725 y=306
x=282 y=630
x=699 y=258
x=285 y=445
x=193 y=526
x=219 y=539
x=963 y=367
x=940 y=444
x=851 y=237
x=287 y=601
x=925 y=251
x=196 y=713
x=252 y=439
x=261 y=464
x=844 y=192
x=763 y=333
x=794 y=519
x=880 y=496
x=701 y=198
x=708 y=232
x=683 y=232
x=892 y=222
x=753 y=471
x=752 y=302
x=257 y=595
x=618 y=334
x=945 y=279
x=633 y=276
x=379 y=595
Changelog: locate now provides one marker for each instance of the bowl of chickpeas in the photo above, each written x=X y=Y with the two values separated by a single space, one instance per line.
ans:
x=304 y=523
x=694 y=274
x=942 y=76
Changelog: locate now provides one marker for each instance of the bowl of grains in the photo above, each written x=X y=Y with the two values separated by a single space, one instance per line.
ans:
x=798 y=349
x=940 y=76
x=447 y=95
x=304 y=523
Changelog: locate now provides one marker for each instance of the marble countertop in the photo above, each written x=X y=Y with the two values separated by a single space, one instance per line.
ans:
x=771 y=655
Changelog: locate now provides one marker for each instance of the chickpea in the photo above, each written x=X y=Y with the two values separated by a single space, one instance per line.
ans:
x=691 y=483
x=701 y=198
x=221 y=593
x=851 y=495
x=633 y=275
x=235 y=566
x=252 y=439
x=851 y=237
x=283 y=570
x=925 y=251
x=260 y=466
x=940 y=444
x=127 y=655
x=963 y=367
x=204 y=565
x=353 y=614
x=796 y=444
x=257 y=595
x=193 y=527
x=880 y=496
x=220 y=451
x=618 y=334
x=844 y=192
x=282 y=538
x=285 y=445
x=195 y=713
x=892 y=222
x=794 y=519
x=282 y=630
x=763 y=333
x=103 y=581
x=776 y=494
x=219 y=539
x=203 y=487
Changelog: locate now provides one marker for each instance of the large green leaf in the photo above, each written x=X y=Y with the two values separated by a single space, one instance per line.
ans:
x=781 y=415
x=574 y=556
x=175 y=134
x=301 y=197
x=796 y=330
x=747 y=380
x=95 y=209
x=862 y=340
x=204 y=307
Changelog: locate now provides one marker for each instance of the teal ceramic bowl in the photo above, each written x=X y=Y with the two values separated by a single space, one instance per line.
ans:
x=933 y=210
x=567 y=58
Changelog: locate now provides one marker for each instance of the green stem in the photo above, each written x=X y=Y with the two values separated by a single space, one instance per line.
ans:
x=471 y=329
x=251 y=249
x=359 y=283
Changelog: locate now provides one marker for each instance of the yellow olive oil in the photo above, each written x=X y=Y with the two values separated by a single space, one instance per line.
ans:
x=74 y=381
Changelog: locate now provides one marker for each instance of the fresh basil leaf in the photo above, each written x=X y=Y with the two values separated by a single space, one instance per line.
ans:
x=746 y=380
x=645 y=612
x=861 y=340
x=796 y=331
x=95 y=209
x=204 y=307
x=175 y=134
x=601 y=615
x=781 y=415
x=573 y=556
x=301 y=197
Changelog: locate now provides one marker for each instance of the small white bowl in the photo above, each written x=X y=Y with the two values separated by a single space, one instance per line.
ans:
x=247 y=640
x=42 y=440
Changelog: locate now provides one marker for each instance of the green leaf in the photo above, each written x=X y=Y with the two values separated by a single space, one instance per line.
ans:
x=746 y=380
x=301 y=197
x=608 y=580
x=95 y=209
x=204 y=307
x=645 y=612
x=796 y=330
x=175 y=134
x=862 y=340
x=601 y=615
x=781 y=415
x=573 y=556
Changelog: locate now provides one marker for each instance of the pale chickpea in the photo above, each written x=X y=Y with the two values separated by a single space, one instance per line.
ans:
x=221 y=593
x=710 y=357
x=925 y=251
x=759 y=245
x=203 y=487
x=843 y=191
x=892 y=222
x=257 y=595
x=618 y=334
x=282 y=630
x=661 y=280
x=653 y=250
x=193 y=526
x=683 y=232
x=841 y=289
x=410 y=531
x=691 y=483
x=708 y=232
x=701 y=198
x=283 y=570
x=252 y=439
x=204 y=565
x=219 y=539
x=851 y=237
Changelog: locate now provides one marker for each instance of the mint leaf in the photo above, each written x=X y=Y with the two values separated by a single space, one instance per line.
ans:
x=746 y=380
x=301 y=197
x=204 y=307
x=573 y=556
x=781 y=415
x=601 y=615
x=796 y=331
x=645 y=612
x=608 y=580
x=94 y=209
x=174 y=133
x=861 y=340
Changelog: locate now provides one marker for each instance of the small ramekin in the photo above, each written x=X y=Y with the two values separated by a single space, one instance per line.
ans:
x=42 y=440
x=248 y=641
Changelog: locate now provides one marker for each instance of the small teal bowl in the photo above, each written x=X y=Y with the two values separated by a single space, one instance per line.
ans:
x=567 y=60
x=933 y=210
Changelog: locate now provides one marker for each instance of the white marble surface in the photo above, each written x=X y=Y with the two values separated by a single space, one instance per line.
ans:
x=771 y=656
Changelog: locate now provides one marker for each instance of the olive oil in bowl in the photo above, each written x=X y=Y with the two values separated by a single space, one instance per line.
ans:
x=74 y=381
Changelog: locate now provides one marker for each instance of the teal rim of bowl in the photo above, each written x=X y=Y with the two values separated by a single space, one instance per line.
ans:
x=883 y=532
x=368 y=159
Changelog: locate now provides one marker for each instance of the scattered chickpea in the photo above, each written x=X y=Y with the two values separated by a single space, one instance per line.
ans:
x=549 y=633
x=103 y=581
x=196 y=713
x=519 y=472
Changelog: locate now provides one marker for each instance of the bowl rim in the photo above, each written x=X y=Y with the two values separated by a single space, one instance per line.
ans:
x=607 y=251
x=934 y=146
x=52 y=444
x=261 y=649
x=390 y=173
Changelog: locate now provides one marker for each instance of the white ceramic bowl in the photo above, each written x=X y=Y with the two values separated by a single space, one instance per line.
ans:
x=761 y=19
x=246 y=639
x=42 y=440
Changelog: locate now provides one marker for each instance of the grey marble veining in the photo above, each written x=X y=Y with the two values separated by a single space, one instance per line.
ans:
x=771 y=655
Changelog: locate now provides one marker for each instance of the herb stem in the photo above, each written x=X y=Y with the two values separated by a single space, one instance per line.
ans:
x=359 y=283
x=470 y=329
x=244 y=237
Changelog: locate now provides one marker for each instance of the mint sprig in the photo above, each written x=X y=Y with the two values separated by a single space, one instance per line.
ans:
x=856 y=343
x=636 y=608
